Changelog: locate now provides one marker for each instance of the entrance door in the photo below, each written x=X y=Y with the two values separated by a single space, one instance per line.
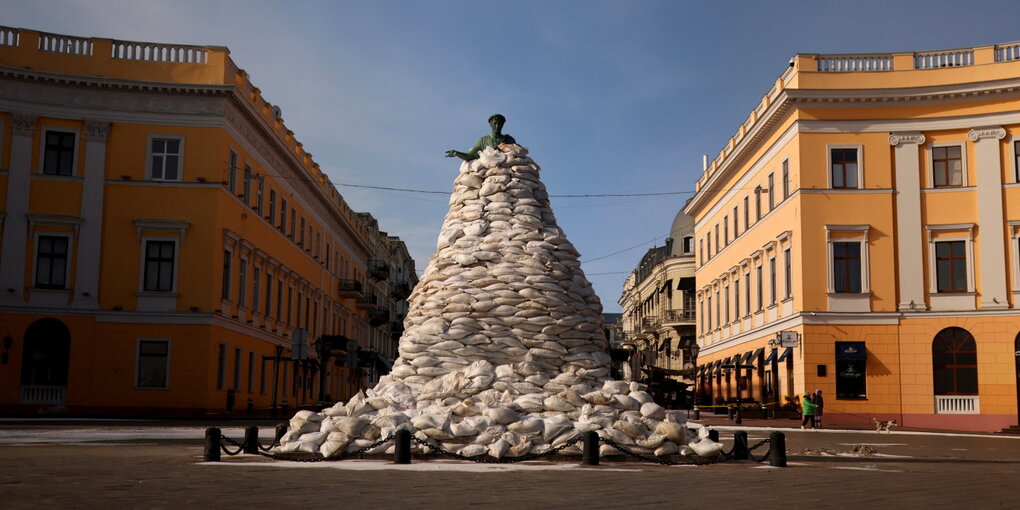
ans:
x=44 y=363
x=1016 y=353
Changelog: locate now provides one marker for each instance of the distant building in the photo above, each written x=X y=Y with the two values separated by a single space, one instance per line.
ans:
x=868 y=209
x=168 y=246
x=658 y=304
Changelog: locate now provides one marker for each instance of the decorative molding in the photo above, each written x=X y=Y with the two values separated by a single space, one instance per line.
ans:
x=996 y=132
x=96 y=130
x=900 y=138
x=176 y=226
x=23 y=124
x=52 y=220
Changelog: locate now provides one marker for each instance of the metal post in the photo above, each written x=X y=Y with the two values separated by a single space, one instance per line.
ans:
x=696 y=415
x=713 y=435
x=281 y=430
x=402 y=447
x=590 y=452
x=740 y=451
x=777 y=449
x=251 y=440
x=729 y=412
x=212 y=444
x=764 y=412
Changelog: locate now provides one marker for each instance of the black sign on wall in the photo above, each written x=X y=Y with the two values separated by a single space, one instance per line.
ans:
x=851 y=370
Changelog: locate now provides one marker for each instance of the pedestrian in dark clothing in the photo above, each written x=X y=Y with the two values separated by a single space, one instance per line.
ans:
x=819 y=406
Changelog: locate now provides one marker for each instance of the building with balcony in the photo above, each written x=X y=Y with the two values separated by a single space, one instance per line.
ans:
x=166 y=244
x=658 y=321
x=868 y=210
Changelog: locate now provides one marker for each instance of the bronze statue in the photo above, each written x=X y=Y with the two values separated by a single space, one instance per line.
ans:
x=497 y=137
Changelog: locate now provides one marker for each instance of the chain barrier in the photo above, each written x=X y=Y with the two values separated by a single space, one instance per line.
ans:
x=487 y=459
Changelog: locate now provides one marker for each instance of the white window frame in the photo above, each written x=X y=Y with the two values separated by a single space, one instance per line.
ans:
x=144 y=241
x=860 y=164
x=138 y=362
x=931 y=164
x=67 y=263
x=148 y=157
x=848 y=301
x=951 y=300
x=42 y=150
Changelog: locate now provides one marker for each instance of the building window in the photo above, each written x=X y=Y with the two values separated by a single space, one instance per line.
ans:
x=772 y=192
x=736 y=300
x=747 y=292
x=726 y=231
x=726 y=296
x=846 y=266
x=757 y=204
x=153 y=364
x=954 y=362
x=736 y=224
x=283 y=215
x=772 y=281
x=947 y=166
x=221 y=367
x=717 y=238
x=262 y=377
x=293 y=221
x=242 y=282
x=225 y=284
x=258 y=195
x=951 y=266
x=1016 y=161
x=246 y=186
x=301 y=240
x=232 y=173
x=269 y=293
x=256 y=282
x=272 y=206
x=710 y=312
x=760 y=294
x=237 y=369
x=688 y=245
x=251 y=372
x=718 y=309
x=787 y=273
x=51 y=262
x=747 y=213
x=786 y=179
x=708 y=241
x=279 y=300
x=58 y=158
x=159 y=266
x=844 y=168
x=851 y=370
x=165 y=158
x=701 y=250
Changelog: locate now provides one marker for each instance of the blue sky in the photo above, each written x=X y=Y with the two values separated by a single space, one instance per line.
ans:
x=609 y=96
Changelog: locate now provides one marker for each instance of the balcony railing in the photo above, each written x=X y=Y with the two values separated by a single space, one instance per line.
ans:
x=367 y=301
x=9 y=37
x=378 y=269
x=43 y=395
x=939 y=59
x=66 y=44
x=679 y=316
x=650 y=324
x=854 y=63
x=400 y=291
x=1007 y=52
x=349 y=288
x=957 y=404
x=153 y=52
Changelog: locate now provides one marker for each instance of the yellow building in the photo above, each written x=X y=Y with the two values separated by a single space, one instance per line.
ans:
x=870 y=204
x=168 y=246
x=658 y=303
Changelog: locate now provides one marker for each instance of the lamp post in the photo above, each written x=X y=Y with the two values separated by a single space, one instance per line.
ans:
x=695 y=349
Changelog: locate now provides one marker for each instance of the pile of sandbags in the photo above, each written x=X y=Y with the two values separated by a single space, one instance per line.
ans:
x=511 y=422
x=503 y=351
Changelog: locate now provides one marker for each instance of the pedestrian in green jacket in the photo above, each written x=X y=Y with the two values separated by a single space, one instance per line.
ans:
x=808 y=406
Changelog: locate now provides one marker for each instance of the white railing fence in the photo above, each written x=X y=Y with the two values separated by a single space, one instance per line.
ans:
x=43 y=395
x=65 y=44
x=853 y=63
x=1007 y=52
x=957 y=404
x=151 y=52
x=938 y=59
x=8 y=37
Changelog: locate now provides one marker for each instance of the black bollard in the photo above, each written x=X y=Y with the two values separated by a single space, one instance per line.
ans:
x=590 y=451
x=740 y=451
x=696 y=415
x=251 y=440
x=402 y=447
x=212 y=444
x=777 y=449
x=713 y=435
x=729 y=412
x=764 y=412
x=281 y=430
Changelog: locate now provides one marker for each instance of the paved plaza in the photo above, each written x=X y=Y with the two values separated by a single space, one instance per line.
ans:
x=67 y=464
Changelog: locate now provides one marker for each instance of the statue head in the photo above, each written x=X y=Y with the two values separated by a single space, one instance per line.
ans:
x=497 y=119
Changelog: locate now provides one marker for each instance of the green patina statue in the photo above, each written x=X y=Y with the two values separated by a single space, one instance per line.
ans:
x=497 y=137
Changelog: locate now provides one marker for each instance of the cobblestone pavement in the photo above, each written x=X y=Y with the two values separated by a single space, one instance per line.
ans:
x=92 y=466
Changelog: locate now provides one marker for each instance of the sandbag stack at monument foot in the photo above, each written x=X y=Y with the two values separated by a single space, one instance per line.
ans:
x=503 y=351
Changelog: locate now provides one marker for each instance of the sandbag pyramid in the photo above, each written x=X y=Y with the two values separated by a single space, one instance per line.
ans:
x=503 y=351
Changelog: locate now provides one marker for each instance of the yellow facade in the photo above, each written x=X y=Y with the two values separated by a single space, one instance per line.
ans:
x=869 y=205
x=166 y=242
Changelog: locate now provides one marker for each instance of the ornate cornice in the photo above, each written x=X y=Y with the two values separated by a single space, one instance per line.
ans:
x=996 y=132
x=904 y=138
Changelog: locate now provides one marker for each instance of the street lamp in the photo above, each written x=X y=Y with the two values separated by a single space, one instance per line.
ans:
x=695 y=349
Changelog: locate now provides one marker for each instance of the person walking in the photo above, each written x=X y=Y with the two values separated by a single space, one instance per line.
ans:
x=808 y=410
x=819 y=407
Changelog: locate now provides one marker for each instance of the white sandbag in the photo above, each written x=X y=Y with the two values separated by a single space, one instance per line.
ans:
x=502 y=415
x=674 y=432
x=705 y=447
x=653 y=411
x=338 y=409
x=667 y=448
x=616 y=387
x=527 y=427
x=624 y=402
x=499 y=448
x=352 y=426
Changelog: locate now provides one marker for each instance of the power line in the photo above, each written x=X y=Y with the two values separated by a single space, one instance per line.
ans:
x=584 y=195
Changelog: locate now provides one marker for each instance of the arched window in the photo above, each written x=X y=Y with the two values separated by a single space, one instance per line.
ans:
x=954 y=362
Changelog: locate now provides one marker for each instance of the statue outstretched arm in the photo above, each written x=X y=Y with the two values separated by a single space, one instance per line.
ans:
x=471 y=154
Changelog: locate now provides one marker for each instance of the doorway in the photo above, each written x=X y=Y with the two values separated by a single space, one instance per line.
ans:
x=44 y=363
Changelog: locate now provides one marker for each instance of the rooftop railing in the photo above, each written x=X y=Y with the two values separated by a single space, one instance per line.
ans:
x=854 y=63
x=9 y=37
x=948 y=58
x=66 y=44
x=153 y=52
